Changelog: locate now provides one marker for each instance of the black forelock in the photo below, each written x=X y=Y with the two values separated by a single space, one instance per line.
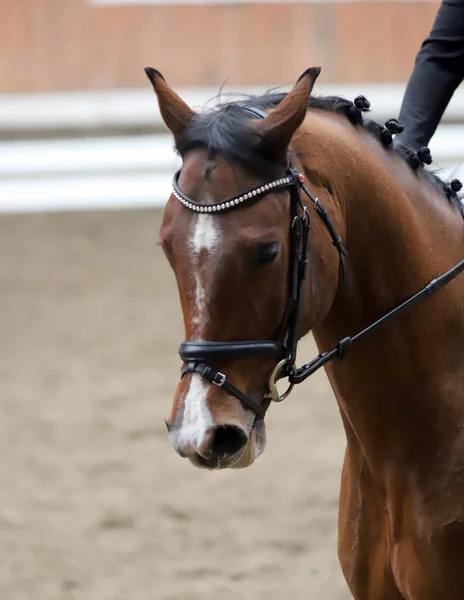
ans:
x=227 y=131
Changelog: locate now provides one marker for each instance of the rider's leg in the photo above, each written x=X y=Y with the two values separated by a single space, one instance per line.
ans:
x=438 y=71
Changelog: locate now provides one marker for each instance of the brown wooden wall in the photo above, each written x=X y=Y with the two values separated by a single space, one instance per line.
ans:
x=48 y=45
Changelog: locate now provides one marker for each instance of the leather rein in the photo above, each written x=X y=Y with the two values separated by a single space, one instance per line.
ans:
x=197 y=354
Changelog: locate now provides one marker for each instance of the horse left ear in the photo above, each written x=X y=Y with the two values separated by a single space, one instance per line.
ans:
x=175 y=112
x=278 y=127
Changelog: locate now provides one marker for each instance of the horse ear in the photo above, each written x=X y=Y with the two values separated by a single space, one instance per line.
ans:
x=175 y=112
x=278 y=127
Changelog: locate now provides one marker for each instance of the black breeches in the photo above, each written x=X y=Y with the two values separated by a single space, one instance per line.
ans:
x=438 y=70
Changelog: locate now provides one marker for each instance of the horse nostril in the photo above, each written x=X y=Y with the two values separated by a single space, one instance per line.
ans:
x=228 y=440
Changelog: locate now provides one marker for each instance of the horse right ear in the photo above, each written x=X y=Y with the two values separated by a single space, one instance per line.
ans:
x=278 y=127
x=175 y=112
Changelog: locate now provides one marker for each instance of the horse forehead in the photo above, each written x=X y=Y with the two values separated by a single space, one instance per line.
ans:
x=206 y=234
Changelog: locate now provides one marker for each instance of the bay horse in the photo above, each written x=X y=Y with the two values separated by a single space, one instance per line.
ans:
x=293 y=213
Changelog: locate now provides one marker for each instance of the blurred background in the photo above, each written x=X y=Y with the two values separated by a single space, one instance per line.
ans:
x=95 y=504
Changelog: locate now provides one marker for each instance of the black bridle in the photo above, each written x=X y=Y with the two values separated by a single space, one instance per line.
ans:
x=197 y=354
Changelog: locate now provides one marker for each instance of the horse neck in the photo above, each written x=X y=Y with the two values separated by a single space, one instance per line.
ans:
x=400 y=235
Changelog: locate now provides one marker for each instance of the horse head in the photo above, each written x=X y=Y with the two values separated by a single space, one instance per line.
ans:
x=229 y=232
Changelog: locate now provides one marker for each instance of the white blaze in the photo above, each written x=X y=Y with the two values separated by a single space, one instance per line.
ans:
x=197 y=418
x=204 y=239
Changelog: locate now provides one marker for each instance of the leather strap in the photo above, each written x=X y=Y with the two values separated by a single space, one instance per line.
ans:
x=219 y=351
x=344 y=345
x=220 y=380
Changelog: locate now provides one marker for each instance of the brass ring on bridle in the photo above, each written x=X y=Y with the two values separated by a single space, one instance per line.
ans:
x=273 y=393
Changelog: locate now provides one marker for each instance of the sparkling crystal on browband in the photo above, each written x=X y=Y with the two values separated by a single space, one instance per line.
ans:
x=251 y=194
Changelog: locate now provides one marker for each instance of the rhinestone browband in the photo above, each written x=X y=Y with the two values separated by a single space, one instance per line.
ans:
x=231 y=202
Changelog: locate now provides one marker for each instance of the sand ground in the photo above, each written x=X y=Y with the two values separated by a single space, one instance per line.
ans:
x=95 y=504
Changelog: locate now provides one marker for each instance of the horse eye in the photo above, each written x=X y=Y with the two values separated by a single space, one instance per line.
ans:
x=267 y=253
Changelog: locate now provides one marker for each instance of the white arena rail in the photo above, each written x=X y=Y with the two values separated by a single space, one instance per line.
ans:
x=52 y=173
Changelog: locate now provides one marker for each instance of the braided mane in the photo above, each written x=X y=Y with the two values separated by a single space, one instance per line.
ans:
x=225 y=130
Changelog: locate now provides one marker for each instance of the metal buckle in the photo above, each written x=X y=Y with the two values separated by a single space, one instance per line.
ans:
x=273 y=393
x=219 y=379
x=306 y=217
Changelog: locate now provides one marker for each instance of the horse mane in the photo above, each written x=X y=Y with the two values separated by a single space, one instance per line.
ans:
x=225 y=130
